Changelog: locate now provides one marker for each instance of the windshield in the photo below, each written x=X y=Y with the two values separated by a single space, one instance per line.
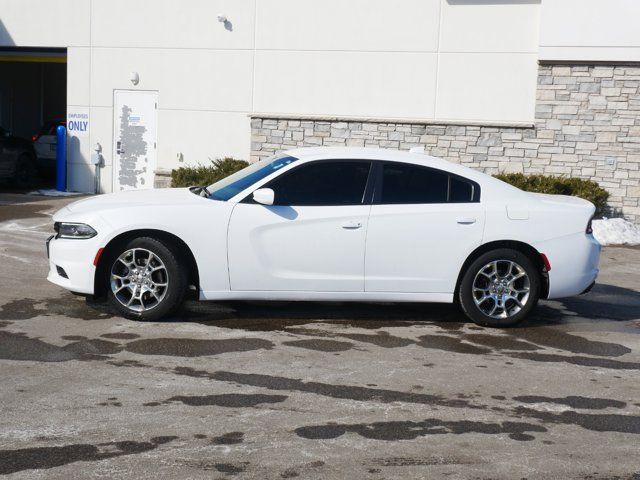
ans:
x=233 y=184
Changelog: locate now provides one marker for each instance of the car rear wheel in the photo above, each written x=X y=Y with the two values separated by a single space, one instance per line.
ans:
x=145 y=279
x=500 y=288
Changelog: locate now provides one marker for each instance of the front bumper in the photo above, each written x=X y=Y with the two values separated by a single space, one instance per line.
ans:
x=75 y=258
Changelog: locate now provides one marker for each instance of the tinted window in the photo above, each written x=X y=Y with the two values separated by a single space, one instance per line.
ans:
x=460 y=191
x=322 y=183
x=402 y=183
x=233 y=184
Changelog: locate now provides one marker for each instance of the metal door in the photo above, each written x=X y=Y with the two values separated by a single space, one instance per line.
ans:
x=135 y=119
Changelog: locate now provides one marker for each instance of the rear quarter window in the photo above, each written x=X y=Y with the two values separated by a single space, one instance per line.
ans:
x=460 y=191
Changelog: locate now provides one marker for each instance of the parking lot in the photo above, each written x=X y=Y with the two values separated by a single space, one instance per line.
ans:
x=311 y=390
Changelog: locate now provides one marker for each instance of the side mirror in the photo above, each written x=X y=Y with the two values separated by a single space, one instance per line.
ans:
x=264 y=196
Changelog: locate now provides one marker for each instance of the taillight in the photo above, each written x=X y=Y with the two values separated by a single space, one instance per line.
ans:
x=35 y=137
x=589 y=229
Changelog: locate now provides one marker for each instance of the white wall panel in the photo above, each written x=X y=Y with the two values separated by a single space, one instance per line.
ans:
x=101 y=131
x=397 y=85
x=480 y=26
x=38 y=23
x=78 y=75
x=81 y=178
x=487 y=87
x=583 y=30
x=371 y=25
x=186 y=79
x=172 y=24
x=200 y=136
x=80 y=172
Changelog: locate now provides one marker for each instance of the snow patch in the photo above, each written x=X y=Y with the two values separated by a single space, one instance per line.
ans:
x=53 y=193
x=616 y=231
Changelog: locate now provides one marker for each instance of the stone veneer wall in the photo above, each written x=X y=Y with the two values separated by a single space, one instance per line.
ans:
x=587 y=125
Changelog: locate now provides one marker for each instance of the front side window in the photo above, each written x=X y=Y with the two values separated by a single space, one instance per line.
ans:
x=322 y=183
x=230 y=186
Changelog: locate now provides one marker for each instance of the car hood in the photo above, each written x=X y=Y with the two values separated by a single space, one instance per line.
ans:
x=135 y=198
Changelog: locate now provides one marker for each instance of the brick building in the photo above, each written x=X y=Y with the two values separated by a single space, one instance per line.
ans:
x=503 y=85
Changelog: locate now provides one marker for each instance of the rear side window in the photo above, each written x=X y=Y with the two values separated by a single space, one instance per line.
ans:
x=322 y=183
x=460 y=191
x=413 y=184
x=403 y=183
x=49 y=128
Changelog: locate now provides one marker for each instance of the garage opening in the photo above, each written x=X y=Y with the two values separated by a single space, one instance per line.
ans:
x=33 y=102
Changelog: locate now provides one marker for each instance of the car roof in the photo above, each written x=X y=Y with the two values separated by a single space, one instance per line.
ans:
x=315 y=153
x=330 y=153
x=352 y=152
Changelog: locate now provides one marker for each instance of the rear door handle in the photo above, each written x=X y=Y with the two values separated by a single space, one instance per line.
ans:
x=466 y=220
x=352 y=225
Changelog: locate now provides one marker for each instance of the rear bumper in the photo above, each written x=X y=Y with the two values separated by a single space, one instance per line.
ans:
x=588 y=289
x=574 y=264
x=75 y=257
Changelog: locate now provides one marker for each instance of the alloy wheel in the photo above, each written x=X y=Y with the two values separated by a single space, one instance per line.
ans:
x=501 y=289
x=139 y=279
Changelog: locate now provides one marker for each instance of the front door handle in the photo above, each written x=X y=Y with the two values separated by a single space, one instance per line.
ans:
x=466 y=220
x=352 y=225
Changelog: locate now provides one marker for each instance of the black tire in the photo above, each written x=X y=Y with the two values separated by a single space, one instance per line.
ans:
x=466 y=293
x=25 y=172
x=176 y=279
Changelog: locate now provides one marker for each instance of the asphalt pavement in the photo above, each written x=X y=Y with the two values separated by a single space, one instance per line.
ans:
x=305 y=390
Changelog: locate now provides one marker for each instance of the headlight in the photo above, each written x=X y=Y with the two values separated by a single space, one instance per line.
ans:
x=74 y=230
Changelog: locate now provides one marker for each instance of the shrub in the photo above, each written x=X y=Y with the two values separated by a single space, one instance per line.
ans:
x=587 y=189
x=206 y=174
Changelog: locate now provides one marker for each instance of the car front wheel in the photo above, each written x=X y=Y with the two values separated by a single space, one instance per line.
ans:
x=500 y=288
x=145 y=279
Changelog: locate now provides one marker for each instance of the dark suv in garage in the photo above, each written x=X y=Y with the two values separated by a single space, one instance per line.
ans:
x=17 y=160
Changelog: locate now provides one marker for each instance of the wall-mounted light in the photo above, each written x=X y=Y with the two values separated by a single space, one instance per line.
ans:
x=134 y=78
x=222 y=18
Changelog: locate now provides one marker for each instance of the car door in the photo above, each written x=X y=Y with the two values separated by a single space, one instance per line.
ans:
x=311 y=239
x=422 y=226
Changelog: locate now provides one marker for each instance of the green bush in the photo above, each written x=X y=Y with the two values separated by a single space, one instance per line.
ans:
x=206 y=174
x=576 y=187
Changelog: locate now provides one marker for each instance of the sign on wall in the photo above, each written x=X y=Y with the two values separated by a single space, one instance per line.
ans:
x=78 y=122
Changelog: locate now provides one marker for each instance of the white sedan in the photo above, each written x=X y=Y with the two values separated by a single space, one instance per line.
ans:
x=330 y=224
